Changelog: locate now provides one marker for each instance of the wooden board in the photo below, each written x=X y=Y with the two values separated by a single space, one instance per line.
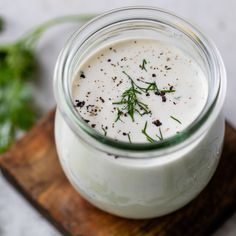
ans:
x=32 y=166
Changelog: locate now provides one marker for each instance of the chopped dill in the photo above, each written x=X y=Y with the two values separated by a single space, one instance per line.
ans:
x=172 y=117
x=142 y=66
x=105 y=132
x=148 y=137
x=131 y=102
x=144 y=131
x=152 y=86
x=119 y=114
x=161 y=136
x=129 y=138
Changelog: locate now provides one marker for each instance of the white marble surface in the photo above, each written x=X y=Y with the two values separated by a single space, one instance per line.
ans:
x=216 y=17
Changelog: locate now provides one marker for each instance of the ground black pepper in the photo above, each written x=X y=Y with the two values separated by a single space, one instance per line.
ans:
x=79 y=103
x=157 y=123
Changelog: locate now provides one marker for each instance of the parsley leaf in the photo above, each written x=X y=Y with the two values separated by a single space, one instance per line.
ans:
x=17 y=67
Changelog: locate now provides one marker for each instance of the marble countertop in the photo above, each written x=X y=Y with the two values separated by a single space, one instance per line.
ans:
x=215 y=17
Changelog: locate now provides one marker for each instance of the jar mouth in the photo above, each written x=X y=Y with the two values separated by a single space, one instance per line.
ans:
x=136 y=14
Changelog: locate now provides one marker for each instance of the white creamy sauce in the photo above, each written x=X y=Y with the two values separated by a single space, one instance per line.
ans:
x=103 y=77
x=139 y=187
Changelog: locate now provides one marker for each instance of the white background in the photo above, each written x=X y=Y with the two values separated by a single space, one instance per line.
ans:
x=217 y=18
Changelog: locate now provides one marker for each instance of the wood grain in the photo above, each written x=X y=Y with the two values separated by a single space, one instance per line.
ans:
x=32 y=166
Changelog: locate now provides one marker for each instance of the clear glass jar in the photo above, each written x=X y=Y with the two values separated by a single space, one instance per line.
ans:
x=149 y=179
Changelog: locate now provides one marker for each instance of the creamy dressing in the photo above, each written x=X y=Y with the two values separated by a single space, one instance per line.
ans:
x=139 y=188
x=109 y=87
x=170 y=87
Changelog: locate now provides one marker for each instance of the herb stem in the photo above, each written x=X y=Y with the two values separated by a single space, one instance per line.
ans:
x=152 y=86
x=174 y=118
x=17 y=67
x=144 y=131
x=161 y=136
x=131 y=102
x=119 y=113
x=129 y=138
x=142 y=66
x=32 y=36
x=29 y=39
x=167 y=91
x=105 y=132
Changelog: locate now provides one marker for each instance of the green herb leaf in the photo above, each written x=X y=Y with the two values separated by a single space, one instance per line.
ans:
x=6 y=135
x=176 y=119
x=142 y=66
x=149 y=138
x=130 y=101
x=20 y=62
x=167 y=91
x=17 y=67
x=105 y=132
x=161 y=136
x=16 y=112
x=152 y=86
x=129 y=138
x=119 y=114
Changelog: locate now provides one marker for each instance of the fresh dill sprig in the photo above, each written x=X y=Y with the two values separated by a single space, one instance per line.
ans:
x=149 y=138
x=174 y=118
x=131 y=102
x=152 y=86
x=160 y=133
x=119 y=114
x=142 y=66
x=129 y=138
x=167 y=90
x=105 y=132
x=161 y=136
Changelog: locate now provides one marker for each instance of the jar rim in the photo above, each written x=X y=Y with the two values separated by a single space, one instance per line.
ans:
x=109 y=145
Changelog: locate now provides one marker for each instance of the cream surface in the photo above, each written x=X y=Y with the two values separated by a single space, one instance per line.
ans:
x=170 y=90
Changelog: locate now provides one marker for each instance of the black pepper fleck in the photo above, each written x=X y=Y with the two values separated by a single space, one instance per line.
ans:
x=162 y=93
x=157 y=123
x=157 y=93
x=102 y=100
x=82 y=75
x=163 y=98
x=79 y=103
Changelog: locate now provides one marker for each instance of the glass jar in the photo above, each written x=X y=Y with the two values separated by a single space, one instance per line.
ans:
x=147 y=179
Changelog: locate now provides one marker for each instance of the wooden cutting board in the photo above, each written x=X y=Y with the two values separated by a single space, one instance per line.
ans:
x=32 y=167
